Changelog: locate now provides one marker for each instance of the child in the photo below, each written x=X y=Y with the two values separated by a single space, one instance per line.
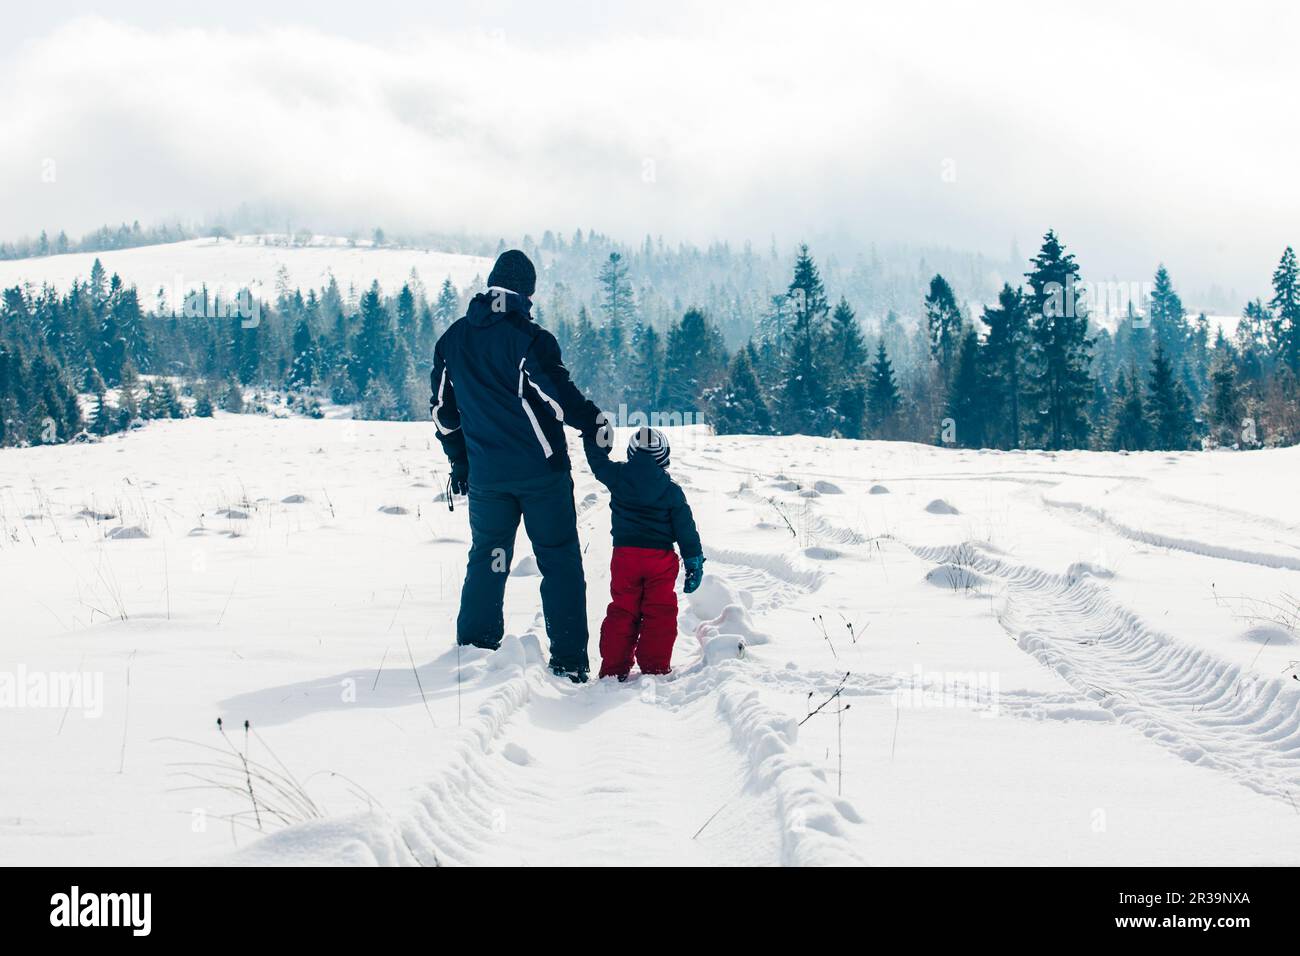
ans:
x=649 y=515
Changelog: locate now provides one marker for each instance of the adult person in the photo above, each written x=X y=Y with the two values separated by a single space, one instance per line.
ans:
x=501 y=397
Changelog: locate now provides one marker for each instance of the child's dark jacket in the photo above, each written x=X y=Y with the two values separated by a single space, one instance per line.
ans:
x=649 y=509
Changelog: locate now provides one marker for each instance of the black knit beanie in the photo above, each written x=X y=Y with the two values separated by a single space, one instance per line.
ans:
x=515 y=272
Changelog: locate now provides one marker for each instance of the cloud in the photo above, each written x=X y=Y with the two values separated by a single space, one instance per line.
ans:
x=1139 y=136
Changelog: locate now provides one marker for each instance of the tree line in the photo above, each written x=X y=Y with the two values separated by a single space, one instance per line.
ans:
x=1032 y=370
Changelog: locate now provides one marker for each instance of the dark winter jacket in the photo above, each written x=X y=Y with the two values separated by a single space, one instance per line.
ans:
x=501 y=394
x=648 y=509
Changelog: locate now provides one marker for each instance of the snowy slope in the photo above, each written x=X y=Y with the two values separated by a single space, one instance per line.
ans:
x=252 y=262
x=1046 y=659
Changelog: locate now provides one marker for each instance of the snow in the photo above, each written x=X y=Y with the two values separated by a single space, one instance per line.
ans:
x=252 y=262
x=1083 y=658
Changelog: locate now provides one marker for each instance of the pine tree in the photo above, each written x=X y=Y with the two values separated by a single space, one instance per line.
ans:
x=1060 y=383
x=740 y=409
x=302 y=374
x=968 y=393
x=1168 y=406
x=694 y=360
x=645 y=378
x=944 y=323
x=1005 y=355
x=373 y=348
x=407 y=324
x=803 y=407
x=1130 y=429
x=128 y=397
x=1285 y=331
x=445 y=307
x=883 y=398
x=100 y=422
x=1167 y=319
x=616 y=304
x=1224 y=409
x=232 y=397
x=849 y=346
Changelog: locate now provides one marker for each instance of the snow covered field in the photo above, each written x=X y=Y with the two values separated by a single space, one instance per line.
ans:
x=1045 y=658
x=229 y=265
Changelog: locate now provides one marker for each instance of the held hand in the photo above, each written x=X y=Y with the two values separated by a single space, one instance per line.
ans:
x=604 y=433
x=694 y=573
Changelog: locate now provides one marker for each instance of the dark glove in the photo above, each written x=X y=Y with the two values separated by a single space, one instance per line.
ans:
x=460 y=476
x=604 y=433
x=694 y=573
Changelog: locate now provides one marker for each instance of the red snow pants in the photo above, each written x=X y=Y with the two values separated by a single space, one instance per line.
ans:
x=641 y=621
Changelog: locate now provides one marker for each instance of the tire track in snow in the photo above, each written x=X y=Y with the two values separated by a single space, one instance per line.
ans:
x=1204 y=709
x=1177 y=543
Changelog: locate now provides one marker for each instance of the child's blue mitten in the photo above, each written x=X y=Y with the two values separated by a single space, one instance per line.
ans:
x=694 y=573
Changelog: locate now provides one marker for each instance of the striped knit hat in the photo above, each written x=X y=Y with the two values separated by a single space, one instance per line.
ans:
x=649 y=441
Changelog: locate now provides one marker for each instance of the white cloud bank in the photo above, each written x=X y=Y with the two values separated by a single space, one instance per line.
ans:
x=1139 y=133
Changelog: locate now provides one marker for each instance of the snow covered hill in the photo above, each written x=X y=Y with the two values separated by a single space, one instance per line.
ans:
x=1048 y=659
x=252 y=262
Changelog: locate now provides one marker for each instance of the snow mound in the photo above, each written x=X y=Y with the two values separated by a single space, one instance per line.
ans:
x=393 y=510
x=1273 y=634
x=722 y=647
x=525 y=567
x=516 y=754
x=131 y=532
x=510 y=656
x=95 y=515
x=827 y=488
x=941 y=507
x=712 y=598
x=955 y=577
x=1086 y=569
x=823 y=554
x=734 y=621
x=233 y=513
x=809 y=493
x=293 y=499
x=878 y=490
x=785 y=485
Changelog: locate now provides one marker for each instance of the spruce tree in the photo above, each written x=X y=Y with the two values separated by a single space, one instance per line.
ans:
x=694 y=359
x=967 y=395
x=1167 y=319
x=302 y=373
x=1285 y=304
x=373 y=349
x=1060 y=384
x=1224 y=409
x=803 y=407
x=445 y=307
x=1005 y=355
x=944 y=323
x=740 y=409
x=883 y=398
x=407 y=320
x=848 y=345
x=1130 y=430
x=1168 y=406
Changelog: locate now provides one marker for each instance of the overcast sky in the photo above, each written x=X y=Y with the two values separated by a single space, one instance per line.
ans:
x=1141 y=132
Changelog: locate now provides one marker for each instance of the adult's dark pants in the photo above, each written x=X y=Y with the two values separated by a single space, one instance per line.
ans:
x=551 y=522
